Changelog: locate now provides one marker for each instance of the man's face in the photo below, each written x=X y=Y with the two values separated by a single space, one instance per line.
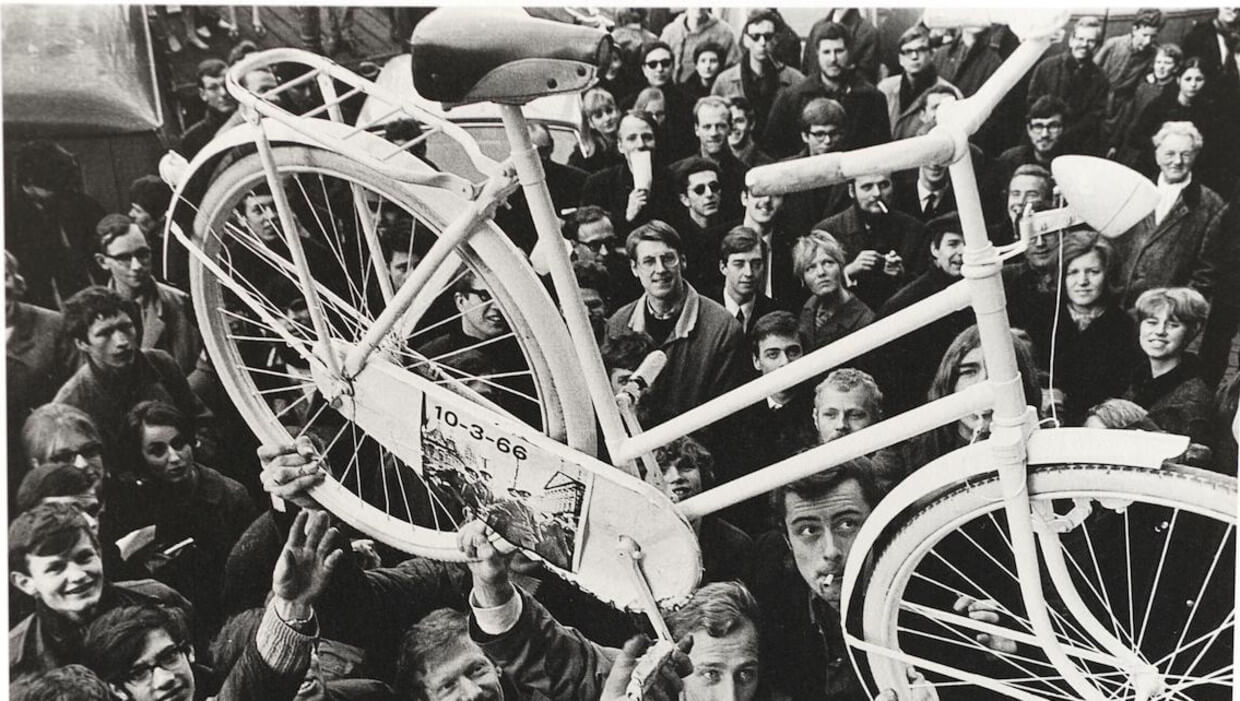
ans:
x=71 y=446
x=739 y=135
x=399 y=266
x=213 y=93
x=634 y=135
x=1024 y=190
x=969 y=371
x=618 y=377
x=1175 y=157
x=833 y=58
x=821 y=532
x=162 y=671
x=69 y=583
x=707 y=66
x=1084 y=42
x=702 y=194
x=743 y=273
x=656 y=107
x=1227 y=15
x=774 y=352
x=681 y=479
x=127 y=259
x=758 y=39
x=147 y=223
x=871 y=190
x=480 y=317
x=838 y=413
x=1044 y=133
x=823 y=138
x=259 y=82
x=461 y=672
x=110 y=342
x=1164 y=66
x=168 y=455
x=934 y=175
x=915 y=56
x=761 y=209
x=658 y=68
x=948 y=255
x=726 y=668
x=712 y=129
x=658 y=267
x=1143 y=37
x=1043 y=251
x=930 y=110
x=260 y=216
x=594 y=240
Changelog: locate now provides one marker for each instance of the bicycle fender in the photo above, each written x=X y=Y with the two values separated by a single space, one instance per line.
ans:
x=1045 y=446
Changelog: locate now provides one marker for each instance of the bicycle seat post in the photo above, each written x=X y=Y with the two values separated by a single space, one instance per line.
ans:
x=534 y=184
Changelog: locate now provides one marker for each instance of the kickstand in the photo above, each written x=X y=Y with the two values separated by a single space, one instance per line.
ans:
x=628 y=548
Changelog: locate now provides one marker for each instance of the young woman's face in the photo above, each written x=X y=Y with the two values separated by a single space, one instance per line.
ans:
x=1163 y=337
x=168 y=455
x=1192 y=80
x=1086 y=280
x=605 y=119
x=1164 y=66
x=823 y=276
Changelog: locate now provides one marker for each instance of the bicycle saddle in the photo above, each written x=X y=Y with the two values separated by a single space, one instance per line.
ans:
x=470 y=55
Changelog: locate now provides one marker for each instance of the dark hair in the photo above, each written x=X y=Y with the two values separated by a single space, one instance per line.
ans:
x=741 y=239
x=821 y=111
x=52 y=480
x=243 y=48
x=406 y=129
x=709 y=47
x=114 y=640
x=626 y=350
x=71 y=682
x=1046 y=107
x=948 y=372
x=110 y=228
x=464 y=283
x=762 y=14
x=88 y=306
x=834 y=31
x=210 y=68
x=585 y=214
x=652 y=46
x=719 y=608
x=742 y=103
x=1148 y=17
x=46 y=529
x=942 y=225
x=629 y=15
x=47 y=165
x=777 y=323
x=939 y=89
x=688 y=450
x=691 y=166
x=820 y=484
x=653 y=230
x=151 y=412
x=913 y=33
x=438 y=630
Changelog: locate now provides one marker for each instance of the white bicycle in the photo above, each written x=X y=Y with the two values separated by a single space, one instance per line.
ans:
x=1114 y=568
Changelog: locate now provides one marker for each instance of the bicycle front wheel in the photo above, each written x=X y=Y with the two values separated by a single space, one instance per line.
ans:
x=1151 y=553
x=498 y=339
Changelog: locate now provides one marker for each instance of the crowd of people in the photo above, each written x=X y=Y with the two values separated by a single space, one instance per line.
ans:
x=143 y=563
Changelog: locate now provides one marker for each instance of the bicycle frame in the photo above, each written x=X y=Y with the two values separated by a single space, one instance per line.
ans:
x=1013 y=420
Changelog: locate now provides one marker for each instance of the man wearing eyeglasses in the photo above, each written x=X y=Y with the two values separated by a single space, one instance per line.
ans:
x=165 y=313
x=1045 y=124
x=1073 y=77
x=822 y=127
x=704 y=344
x=758 y=76
x=904 y=92
x=701 y=223
x=712 y=123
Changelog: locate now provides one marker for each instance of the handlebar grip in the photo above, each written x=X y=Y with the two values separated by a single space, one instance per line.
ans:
x=831 y=168
x=645 y=374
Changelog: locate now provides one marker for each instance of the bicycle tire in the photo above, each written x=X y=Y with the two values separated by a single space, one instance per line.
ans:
x=531 y=316
x=1205 y=501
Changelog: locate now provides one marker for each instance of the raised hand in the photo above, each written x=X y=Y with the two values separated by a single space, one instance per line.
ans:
x=636 y=676
x=291 y=470
x=489 y=559
x=310 y=555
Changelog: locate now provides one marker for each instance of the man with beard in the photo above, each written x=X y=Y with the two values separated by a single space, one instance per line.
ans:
x=165 y=313
x=1045 y=124
x=885 y=246
x=219 y=107
x=835 y=77
x=1073 y=77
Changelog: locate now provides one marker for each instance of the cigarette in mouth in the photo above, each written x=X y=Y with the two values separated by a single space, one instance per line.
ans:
x=882 y=206
x=828 y=580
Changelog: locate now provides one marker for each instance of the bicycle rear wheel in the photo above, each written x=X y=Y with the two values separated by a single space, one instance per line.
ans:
x=524 y=367
x=1150 y=551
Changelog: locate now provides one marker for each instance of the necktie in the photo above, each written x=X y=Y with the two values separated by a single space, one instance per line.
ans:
x=740 y=316
x=928 y=205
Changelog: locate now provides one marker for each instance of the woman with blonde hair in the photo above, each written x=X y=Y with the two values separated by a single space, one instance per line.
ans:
x=831 y=312
x=596 y=145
